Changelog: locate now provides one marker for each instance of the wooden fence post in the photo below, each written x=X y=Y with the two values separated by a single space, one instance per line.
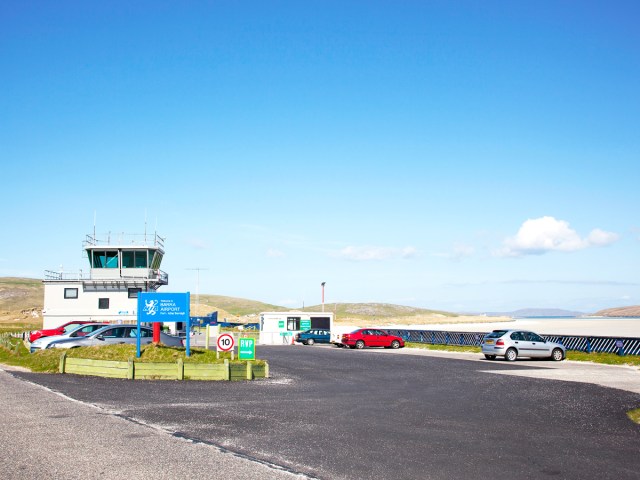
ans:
x=249 y=371
x=227 y=367
x=180 y=369
x=63 y=361
x=131 y=370
x=266 y=370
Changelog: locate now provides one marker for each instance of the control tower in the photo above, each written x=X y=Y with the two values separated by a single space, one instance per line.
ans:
x=120 y=267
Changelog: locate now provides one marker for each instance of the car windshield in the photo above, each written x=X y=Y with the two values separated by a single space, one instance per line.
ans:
x=496 y=334
x=72 y=328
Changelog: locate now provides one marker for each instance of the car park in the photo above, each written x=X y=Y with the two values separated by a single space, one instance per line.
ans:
x=117 y=334
x=310 y=337
x=371 y=337
x=512 y=344
x=78 y=331
x=60 y=330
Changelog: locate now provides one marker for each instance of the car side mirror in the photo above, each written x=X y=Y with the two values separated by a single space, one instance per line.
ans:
x=100 y=337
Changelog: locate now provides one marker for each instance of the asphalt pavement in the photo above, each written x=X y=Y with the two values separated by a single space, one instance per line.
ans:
x=336 y=414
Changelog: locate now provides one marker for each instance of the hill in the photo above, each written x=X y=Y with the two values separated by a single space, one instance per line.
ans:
x=21 y=301
x=362 y=314
x=633 y=311
x=539 y=312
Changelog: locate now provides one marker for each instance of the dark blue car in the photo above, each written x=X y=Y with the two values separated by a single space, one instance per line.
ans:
x=309 y=337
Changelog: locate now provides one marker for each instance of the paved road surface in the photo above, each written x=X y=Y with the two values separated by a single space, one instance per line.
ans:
x=345 y=414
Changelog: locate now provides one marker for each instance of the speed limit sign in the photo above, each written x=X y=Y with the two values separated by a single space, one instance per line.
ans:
x=225 y=342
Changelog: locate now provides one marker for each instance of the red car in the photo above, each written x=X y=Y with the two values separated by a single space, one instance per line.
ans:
x=61 y=330
x=370 y=337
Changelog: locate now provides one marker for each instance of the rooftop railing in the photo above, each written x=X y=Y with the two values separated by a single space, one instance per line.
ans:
x=134 y=239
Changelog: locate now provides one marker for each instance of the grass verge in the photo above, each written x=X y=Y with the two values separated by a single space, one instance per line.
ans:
x=47 y=361
x=446 y=348
x=634 y=415
x=604 y=358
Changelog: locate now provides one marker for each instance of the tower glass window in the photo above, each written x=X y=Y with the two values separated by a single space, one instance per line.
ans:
x=134 y=259
x=105 y=259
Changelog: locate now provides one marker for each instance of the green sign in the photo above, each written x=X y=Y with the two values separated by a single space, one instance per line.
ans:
x=281 y=324
x=247 y=349
x=305 y=324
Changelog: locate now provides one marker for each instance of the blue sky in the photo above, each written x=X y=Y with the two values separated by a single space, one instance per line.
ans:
x=465 y=156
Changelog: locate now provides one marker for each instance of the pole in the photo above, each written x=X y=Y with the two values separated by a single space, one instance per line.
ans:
x=156 y=333
x=322 y=285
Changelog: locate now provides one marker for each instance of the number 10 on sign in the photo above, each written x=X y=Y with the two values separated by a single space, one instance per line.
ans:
x=225 y=342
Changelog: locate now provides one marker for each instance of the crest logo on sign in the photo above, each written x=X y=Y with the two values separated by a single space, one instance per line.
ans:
x=150 y=307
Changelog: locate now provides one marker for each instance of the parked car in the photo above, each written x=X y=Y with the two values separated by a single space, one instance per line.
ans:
x=512 y=344
x=62 y=329
x=116 y=334
x=309 y=337
x=338 y=331
x=78 y=331
x=370 y=337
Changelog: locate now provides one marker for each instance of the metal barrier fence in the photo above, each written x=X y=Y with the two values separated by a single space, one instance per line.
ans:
x=590 y=343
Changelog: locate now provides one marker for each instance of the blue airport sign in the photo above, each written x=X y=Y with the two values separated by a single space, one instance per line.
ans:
x=164 y=307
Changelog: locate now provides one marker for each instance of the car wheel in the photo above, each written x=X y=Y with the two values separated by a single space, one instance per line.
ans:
x=359 y=344
x=395 y=344
x=557 y=355
x=490 y=357
x=311 y=341
x=511 y=355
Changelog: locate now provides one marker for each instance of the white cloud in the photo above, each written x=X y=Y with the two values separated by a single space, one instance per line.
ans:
x=368 y=253
x=458 y=252
x=409 y=252
x=600 y=238
x=547 y=234
x=273 y=253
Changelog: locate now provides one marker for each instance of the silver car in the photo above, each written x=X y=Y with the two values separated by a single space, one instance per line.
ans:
x=116 y=334
x=512 y=344
x=76 y=331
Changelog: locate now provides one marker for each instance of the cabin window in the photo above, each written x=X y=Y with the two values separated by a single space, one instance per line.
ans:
x=133 y=292
x=134 y=259
x=103 y=303
x=105 y=259
x=155 y=259
x=70 y=293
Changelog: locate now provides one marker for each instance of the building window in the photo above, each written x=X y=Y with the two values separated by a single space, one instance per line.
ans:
x=133 y=292
x=108 y=259
x=293 y=323
x=134 y=259
x=70 y=293
x=103 y=303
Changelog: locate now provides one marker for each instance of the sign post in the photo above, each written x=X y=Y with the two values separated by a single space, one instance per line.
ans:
x=164 y=307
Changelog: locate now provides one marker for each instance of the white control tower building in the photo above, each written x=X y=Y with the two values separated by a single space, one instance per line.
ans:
x=120 y=267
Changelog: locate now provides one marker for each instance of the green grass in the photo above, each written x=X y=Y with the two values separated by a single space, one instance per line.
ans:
x=47 y=361
x=446 y=348
x=604 y=358
x=634 y=415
